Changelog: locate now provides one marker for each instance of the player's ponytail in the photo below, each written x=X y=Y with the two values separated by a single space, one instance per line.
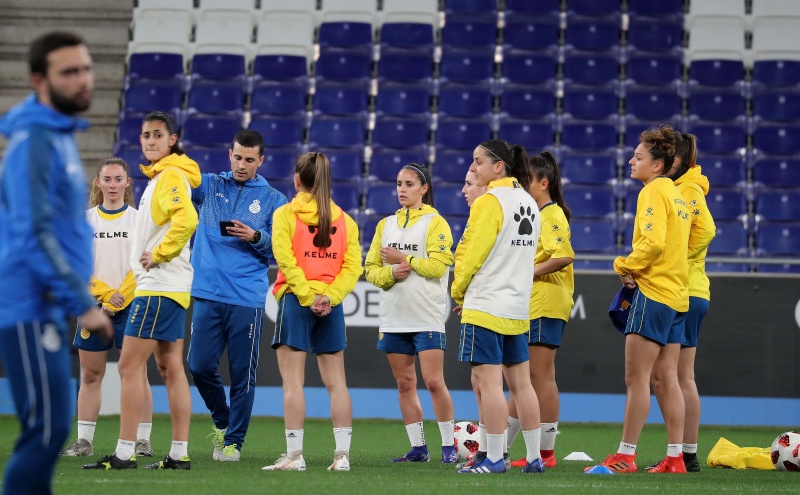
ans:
x=514 y=157
x=686 y=152
x=314 y=172
x=544 y=166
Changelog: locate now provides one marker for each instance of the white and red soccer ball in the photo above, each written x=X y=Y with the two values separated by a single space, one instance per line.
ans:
x=785 y=451
x=466 y=438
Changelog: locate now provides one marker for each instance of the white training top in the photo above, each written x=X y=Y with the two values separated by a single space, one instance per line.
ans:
x=502 y=286
x=416 y=304
x=112 y=244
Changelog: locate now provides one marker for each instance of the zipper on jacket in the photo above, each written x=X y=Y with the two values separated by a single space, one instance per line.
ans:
x=236 y=202
x=408 y=213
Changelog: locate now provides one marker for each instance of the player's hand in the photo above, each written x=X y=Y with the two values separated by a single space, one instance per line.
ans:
x=392 y=255
x=401 y=271
x=147 y=261
x=95 y=320
x=110 y=312
x=117 y=300
x=321 y=305
x=628 y=281
x=241 y=231
x=458 y=310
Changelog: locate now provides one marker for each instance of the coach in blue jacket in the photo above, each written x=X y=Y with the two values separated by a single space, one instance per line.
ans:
x=231 y=257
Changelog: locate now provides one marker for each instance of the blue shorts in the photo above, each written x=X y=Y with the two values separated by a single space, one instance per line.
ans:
x=93 y=342
x=482 y=346
x=157 y=318
x=654 y=321
x=411 y=343
x=298 y=327
x=546 y=331
x=698 y=307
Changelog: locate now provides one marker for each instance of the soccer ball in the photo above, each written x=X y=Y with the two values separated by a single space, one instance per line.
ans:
x=785 y=450
x=466 y=438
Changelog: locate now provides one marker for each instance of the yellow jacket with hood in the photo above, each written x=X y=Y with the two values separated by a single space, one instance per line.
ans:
x=693 y=186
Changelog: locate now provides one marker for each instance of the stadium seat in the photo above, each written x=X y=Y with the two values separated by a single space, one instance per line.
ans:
x=593 y=236
x=349 y=10
x=347 y=196
x=730 y=239
x=451 y=165
x=588 y=136
x=470 y=6
x=589 y=103
x=386 y=162
x=449 y=200
x=303 y=6
x=402 y=99
x=718 y=137
x=279 y=98
x=776 y=73
x=129 y=129
x=155 y=65
x=778 y=205
x=653 y=68
x=530 y=102
x=634 y=128
x=206 y=7
x=716 y=72
x=400 y=64
x=533 y=135
x=648 y=8
x=173 y=29
x=382 y=199
x=778 y=239
x=213 y=160
x=339 y=64
x=726 y=203
x=286 y=33
x=657 y=103
x=591 y=201
x=590 y=68
x=724 y=170
x=776 y=172
x=531 y=33
x=226 y=27
x=594 y=8
x=526 y=7
x=219 y=66
x=337 y=98
x=139 y=184
x=133 y=157
x=731 y=267
x=366 y=230
x=774 y=9
x=717 y=104
x=280 y=130
x=777 y=105
x=702 y=9
x=716 y=51
x=146 y=96
x=469 y=30
x=453 y=132
x=417 y=11
x=457 y=224
x=525 y=67
x=466 y=65
x=216 y=98
x=279 y=163
x=347 y=164
x=407 y=35
x=401 y=132
x=779 y=267
x=279 y=68
x=345 y=34
x=215 y=130
x=777 y=139
x=465 y=100
x=589 y=168
x=337 y=132
x=592 y=34
x=646 y=35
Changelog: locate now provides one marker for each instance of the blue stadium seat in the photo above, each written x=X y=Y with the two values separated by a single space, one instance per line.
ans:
x=779 y=268
x=402 y=99
x=457 y=224
x=730 y=239
x=590 y=68
x=653 y=68
x=219 y=66
x=724 y=170
x=407 y=35
x=146 y=96
x=717 y=104
x=155 y=66
x=212 y=160
x=777 y=139
x=366 y=229
x=279 y=163
x=337 y=132
x=467 y=65
x=347 y=164
x=720 y=267
x=279 y=67
x=400 y=64
x=527 y=67
x=401 y=132
x=460 y=133
x=589 y=168
x=448 y=200
x=346 y=195
x=591 y=201
x=382 y=199
x=776 y=105
x=387 y=162
x=775 y=73
x=531 y=33
x=216 y=98
x=470 y=6
x=634 y=128
x=469 y=30
x=588 y=136
x=657 y=103
x=341 y=98
x=632 y=190
x=716 y=72
x=133 y=156
x=340 y=64
x=775 y=172
x=210 y=130
x=526 y=7
x=139 y=184
x=465 y=100
x=279 y=98
x=726 y=203
x=594 y=8
x=128 y=130
x=778 y=239
x=345 y=34
x=649 y=8
x=530 y=102
x=533 y=135
x=451 y=165
x=590 y=103
x=658 y=36
x=719 y=137
x=778 y=205
x=592 y=34
x=280 y=130
x=284 y=186
x=593 y=236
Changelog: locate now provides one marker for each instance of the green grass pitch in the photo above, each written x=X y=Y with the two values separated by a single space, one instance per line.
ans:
x=377 y=441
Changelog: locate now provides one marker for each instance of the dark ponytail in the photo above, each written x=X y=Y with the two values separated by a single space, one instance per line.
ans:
x=686 y=151
x=424 y=176
x=169 y=124
x=514 y=157
x=314 y=172
x=544 y=166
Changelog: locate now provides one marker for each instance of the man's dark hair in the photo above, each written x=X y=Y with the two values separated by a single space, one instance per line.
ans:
x=249 y=138
x=50 y=42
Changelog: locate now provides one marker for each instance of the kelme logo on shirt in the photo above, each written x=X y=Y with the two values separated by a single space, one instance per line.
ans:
x=525 y=219
x=255 y=206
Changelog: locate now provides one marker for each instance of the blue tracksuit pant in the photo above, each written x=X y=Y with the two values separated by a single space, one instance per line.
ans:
x=214 y=326
x=35 y=358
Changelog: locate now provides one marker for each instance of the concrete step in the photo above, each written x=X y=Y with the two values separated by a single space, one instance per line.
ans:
x=23 y=32
x=97 y=138
x=110 y=6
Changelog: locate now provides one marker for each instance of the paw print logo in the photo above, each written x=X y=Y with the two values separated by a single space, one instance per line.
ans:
x=525 y=219
x=696 y=212
x=312 y=229
x=174 y=190
x=441 y=237
x=648 y=227
x=693 y=202
x=441 y=247
x=176 y=199
x=648 y=212
x=555 y=227
x=559 y=240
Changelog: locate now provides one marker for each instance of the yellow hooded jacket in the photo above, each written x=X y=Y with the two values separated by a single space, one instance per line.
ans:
x=693 y=186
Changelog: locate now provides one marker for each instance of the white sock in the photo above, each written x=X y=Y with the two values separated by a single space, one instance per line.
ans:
x=178 y=450
x=494 y=450
x=482 y=445
x=688 y=448
x=514 y=427
x=549 y=432
x=674 y=449
x=446 y=430
x=125 y=449
x=533 y=444
x=342 y=437
x=416 y=434
x=143 y=432
x=505 y=442
x=86 y=430
x=294 y=441
x=626 y=448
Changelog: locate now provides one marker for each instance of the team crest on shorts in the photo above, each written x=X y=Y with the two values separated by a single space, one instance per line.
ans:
x=85 y=334
x=255 y=206
x=380 y=335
